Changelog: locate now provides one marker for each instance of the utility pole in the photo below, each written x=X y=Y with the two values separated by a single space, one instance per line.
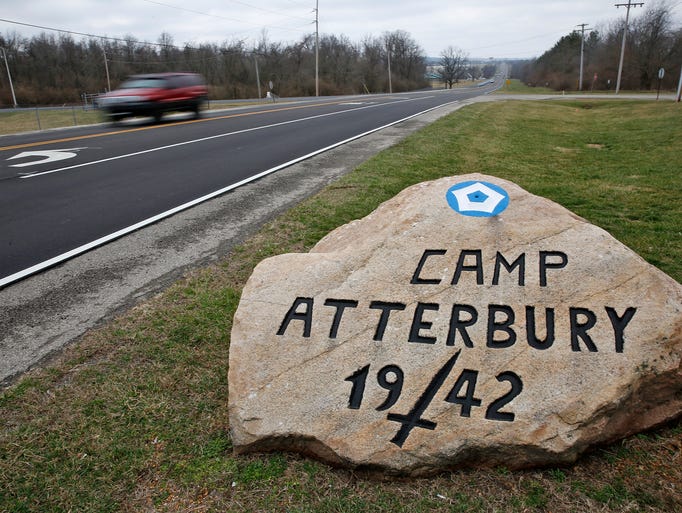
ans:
x=9 y=76
x=317 y=47
x=583 y=27
x=625 y=32
x=390 y=85
x=255 y=60
x=106 y=68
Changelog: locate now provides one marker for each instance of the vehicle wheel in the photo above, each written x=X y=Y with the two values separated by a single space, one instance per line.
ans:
x=114 y=119
x=197 y=111
x=198 y=107
x=157 y=116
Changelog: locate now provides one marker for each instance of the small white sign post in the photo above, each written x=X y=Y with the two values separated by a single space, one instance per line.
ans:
x=661 y=74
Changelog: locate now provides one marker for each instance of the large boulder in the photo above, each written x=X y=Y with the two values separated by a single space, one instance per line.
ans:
x=465 y=322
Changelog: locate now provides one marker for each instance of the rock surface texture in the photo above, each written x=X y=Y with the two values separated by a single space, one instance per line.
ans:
x=465 y=322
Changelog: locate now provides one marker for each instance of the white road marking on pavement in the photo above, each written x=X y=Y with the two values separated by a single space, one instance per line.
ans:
x=218 y=136
x=47 y=156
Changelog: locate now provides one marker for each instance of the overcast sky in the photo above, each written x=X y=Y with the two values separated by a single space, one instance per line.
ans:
x=482 y=28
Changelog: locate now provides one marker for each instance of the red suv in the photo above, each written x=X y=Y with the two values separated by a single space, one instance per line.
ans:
x=155 y=94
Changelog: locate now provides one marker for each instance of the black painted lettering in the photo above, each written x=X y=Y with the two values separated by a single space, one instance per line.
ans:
x=386 y=309
x=359 y=380
x=418 y=324
x=493 y=412
x=468 y=378
x=394 y=386
x=520 y=262
x=463 y=393
x=414 y=418
x=531 y=333
x=504 y=325
x=477 y=266
x=293 y=315
x=341 y=305
x=619 y=324
x=579 y=329
x=416 y=278
x=559 y=260
x=457 y=324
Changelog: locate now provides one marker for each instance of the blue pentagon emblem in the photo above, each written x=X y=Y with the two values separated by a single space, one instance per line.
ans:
x=477 y=199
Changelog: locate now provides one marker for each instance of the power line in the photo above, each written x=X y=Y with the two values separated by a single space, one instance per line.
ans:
x=96 y=36
x=268 y=10
x=127 y=41
x=193 y=11
x=73 y=32
x=298 y=4
x=518 y=41
x=218 y=16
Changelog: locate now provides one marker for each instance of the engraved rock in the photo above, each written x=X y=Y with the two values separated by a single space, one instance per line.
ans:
x=465 y=322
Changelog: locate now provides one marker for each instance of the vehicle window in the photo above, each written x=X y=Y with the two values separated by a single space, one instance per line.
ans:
x=191 y=80
x=142 y=83
x=194 y=80
x=188 y=80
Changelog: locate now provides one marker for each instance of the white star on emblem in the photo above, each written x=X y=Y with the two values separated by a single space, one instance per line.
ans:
x=488 y=202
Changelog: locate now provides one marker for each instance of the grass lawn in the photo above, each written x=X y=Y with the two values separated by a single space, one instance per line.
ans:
x=134 y=417
x=12 y=122
x=28 y=120
x=515 y=86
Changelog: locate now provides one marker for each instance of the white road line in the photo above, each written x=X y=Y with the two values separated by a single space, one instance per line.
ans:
x=46 y=156
x=120 y=233
x=194 y=141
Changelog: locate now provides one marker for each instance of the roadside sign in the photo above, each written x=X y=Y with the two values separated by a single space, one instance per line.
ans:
x=661 y=74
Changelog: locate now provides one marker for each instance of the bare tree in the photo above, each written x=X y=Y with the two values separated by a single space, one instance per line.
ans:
x=372 y=65
x=453 y=65
x=652 y=33
x=653 y=42
x=408 y=62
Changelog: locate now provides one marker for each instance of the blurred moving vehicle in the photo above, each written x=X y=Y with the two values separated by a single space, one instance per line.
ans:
x=155 y=94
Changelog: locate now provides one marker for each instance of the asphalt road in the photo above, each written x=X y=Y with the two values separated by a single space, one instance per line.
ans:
x=64 y=195
x=127 y=177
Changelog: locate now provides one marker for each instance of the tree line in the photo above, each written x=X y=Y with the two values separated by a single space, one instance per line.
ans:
x=55 y=69
x=652 y=43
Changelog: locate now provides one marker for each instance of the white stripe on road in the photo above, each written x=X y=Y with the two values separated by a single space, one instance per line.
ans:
x=120 y=233
x=218 y=136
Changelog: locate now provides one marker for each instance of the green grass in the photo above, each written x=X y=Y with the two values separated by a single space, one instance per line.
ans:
x=515 y=86
x=134 y=417
x=27 y=120
x=12 y=122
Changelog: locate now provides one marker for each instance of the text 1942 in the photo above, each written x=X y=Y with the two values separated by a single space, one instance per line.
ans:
x=463 y=393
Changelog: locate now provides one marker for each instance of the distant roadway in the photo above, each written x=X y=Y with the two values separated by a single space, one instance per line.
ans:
x=93 y=219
